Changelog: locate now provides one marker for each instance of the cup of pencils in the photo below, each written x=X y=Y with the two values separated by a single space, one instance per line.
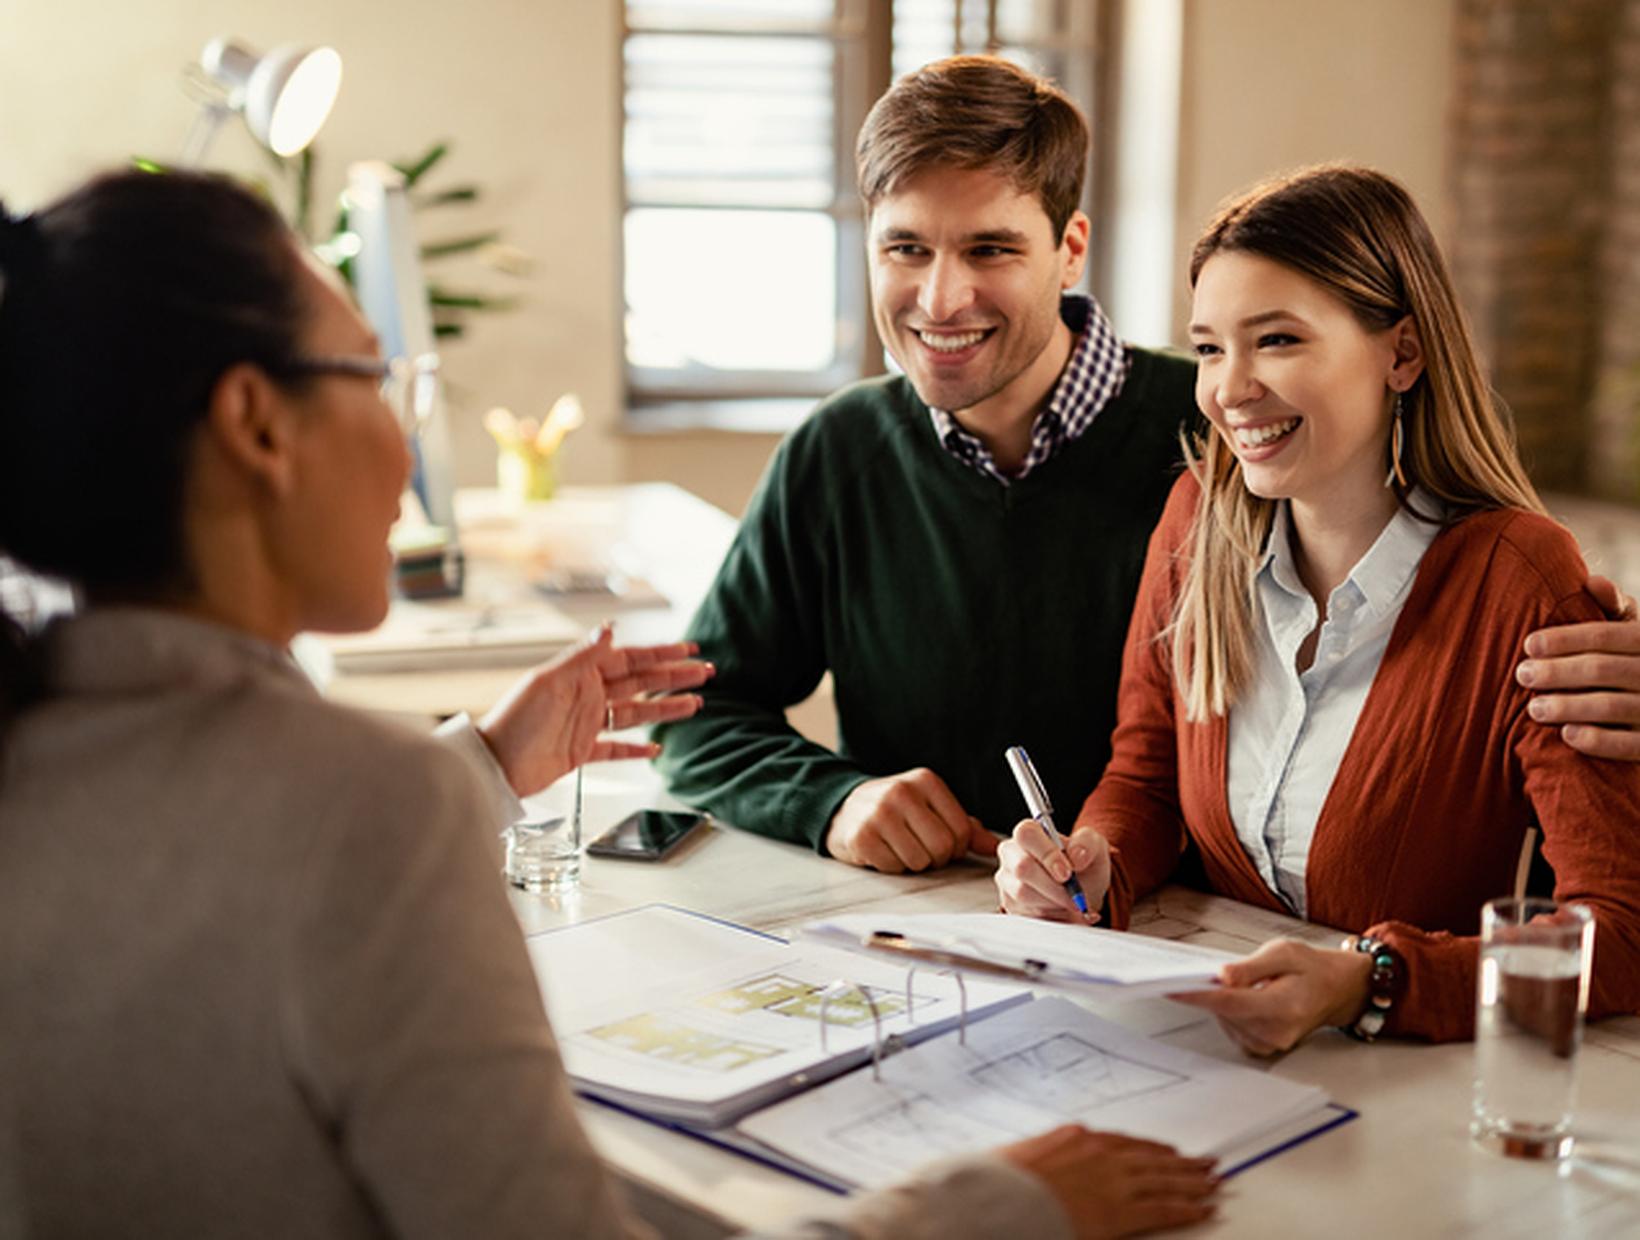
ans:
x=527 y=459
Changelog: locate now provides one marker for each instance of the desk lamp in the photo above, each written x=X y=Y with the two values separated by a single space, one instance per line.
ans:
x=284 y=95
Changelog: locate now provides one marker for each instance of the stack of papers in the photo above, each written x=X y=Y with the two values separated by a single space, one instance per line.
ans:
x=457 y=632
x=1104 y=964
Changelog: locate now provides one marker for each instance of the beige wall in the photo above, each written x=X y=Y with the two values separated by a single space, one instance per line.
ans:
x=1273 y=84
x=528 y=91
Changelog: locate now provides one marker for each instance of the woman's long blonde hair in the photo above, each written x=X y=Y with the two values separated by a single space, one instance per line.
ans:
x=1358 y=234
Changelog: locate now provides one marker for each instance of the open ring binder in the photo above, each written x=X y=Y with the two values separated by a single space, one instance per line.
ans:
x=882 y=1047
x=705 y=1025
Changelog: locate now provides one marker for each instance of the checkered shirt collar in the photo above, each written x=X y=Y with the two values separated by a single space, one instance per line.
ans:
x=1091 y=379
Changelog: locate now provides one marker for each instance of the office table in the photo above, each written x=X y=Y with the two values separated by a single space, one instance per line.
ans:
x=1405 y=1167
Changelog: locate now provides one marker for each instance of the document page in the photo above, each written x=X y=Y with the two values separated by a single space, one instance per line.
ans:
x=695 y=1019
x=1023 y=1072
x=1077 y=957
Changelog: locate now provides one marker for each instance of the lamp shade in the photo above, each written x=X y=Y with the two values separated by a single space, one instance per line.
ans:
x=285 y=95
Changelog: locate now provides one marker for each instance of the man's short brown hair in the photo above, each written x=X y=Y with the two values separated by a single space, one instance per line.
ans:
x=978 y=113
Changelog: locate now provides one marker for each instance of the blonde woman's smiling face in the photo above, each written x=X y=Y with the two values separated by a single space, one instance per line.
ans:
x=1296 y=386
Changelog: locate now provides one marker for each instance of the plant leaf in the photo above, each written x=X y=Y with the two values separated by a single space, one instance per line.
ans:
x=468 y=301
x=304 y=191
x=414 y=172
x=456 y=193
x=458 y=245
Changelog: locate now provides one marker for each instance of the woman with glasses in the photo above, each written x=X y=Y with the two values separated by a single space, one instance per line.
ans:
x=258 y=975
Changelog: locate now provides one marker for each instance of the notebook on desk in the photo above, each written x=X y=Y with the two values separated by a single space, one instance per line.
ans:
x=425 y=635
x=716 y=1029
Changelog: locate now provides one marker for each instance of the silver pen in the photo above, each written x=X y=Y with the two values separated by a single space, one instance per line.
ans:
x=1036 y=800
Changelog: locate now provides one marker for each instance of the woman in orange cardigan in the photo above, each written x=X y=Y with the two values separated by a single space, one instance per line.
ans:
x=1339 y=585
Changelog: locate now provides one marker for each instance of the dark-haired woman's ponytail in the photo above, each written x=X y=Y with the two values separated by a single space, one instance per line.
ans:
x=20 y=249
x=20 y=245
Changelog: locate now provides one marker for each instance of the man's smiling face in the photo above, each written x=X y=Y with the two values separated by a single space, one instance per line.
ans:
x=966 y=276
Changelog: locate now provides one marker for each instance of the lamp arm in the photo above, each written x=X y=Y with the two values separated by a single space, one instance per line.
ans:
x=206 y=122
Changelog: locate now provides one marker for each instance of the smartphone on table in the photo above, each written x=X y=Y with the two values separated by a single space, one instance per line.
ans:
x=648 y=835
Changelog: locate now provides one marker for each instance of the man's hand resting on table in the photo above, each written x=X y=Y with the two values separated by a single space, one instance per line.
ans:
x=909 y=821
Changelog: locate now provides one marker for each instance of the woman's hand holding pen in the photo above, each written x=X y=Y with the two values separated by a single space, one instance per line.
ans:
x=1032 y=871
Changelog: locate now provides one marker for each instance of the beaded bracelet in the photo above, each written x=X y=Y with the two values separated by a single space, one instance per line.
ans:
x=1385 y=984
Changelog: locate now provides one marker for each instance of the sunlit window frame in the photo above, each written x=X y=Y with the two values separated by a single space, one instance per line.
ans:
x=861 y=35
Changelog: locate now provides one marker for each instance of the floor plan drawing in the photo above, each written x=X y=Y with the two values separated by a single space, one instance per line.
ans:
x=913 y=1121
x=1070 y=1076
x=779 y=995
x=675 y=1041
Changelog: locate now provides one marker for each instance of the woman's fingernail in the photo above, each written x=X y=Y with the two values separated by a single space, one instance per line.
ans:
x=1526 y=673
x=1079 y=857
x=1537 y=708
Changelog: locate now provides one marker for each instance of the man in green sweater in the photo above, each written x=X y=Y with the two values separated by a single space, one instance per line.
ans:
x=959 y=545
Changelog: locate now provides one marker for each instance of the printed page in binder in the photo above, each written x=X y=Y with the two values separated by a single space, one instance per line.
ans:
x=687 y=1018
x=1022 y=1072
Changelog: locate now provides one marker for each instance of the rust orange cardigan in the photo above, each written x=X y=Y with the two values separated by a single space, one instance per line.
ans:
x=1441 y=779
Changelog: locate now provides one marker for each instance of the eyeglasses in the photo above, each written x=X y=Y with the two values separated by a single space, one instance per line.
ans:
x=408 y=384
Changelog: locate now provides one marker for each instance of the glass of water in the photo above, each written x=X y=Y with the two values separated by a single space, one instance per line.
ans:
x=544 y=847
x=1531 y=995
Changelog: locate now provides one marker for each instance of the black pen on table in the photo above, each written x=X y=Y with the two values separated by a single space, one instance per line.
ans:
x=1036 y=800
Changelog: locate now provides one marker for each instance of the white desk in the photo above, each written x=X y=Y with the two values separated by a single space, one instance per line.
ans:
x=1405 y=1168
x=672 y=539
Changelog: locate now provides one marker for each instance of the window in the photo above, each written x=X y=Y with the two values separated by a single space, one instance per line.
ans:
x=745 y=273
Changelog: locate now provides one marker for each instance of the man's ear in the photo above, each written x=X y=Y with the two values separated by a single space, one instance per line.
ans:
x=1075 y=246
x=1408 y=349
x=251 y=424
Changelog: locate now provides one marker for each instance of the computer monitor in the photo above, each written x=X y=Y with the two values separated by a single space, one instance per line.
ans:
x=388 y=282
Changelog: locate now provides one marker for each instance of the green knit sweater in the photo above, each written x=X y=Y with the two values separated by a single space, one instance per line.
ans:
x=958 y=616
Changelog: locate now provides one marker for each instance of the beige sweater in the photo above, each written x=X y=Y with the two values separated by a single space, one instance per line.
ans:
x=259 y=976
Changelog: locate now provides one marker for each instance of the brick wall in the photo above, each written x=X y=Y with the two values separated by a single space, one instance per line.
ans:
x=1531 y=166
x=1614 y=459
